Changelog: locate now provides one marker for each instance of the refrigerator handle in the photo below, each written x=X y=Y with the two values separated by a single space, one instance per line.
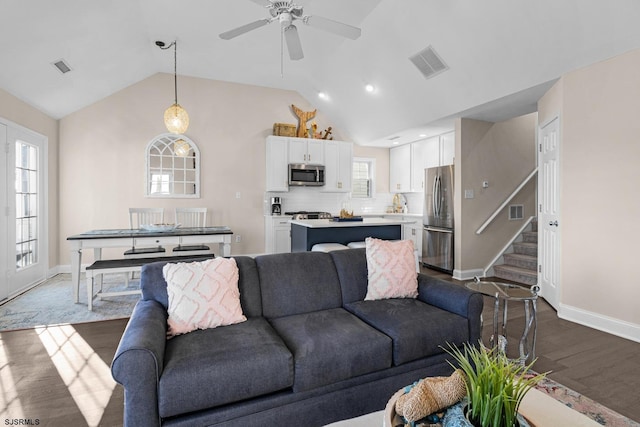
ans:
x=437 y=200
x=435 y=196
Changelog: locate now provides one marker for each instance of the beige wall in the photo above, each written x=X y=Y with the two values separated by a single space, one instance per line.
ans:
x=102 y=154
x=503 y=154
x=600 y=211
x=19 y=112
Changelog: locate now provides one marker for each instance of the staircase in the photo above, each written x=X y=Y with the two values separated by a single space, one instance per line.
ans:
x=521 y=265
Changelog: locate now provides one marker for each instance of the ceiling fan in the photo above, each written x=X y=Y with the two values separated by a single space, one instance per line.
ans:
x=286 y=12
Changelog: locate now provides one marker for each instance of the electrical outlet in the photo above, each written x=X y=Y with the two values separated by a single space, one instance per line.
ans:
x=237 y=195
x=238 y=238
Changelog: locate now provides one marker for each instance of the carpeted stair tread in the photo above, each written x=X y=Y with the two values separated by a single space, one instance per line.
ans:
x=521 y=260
x=530 y=237
x=526 y=248
x=516 y=274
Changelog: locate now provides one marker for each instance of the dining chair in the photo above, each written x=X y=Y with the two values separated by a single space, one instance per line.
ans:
x=191 y=217
x=144 y=216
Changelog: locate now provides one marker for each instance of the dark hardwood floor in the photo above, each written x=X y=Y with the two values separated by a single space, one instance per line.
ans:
x=601 y=366
x=61 y=376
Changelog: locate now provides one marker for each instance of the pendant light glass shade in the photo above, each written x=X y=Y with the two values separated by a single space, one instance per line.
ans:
x=181 y=148
x=176 y=119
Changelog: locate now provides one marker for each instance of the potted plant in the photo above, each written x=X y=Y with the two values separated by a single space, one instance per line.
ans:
x=495 y=385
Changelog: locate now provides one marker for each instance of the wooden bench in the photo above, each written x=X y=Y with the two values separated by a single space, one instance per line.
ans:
x=127 y=265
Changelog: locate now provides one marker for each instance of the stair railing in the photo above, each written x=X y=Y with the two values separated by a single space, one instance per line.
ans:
x=506 y=247
x=507 y=201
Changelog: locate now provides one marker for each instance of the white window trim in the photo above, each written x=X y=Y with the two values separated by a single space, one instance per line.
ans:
x=372 y=172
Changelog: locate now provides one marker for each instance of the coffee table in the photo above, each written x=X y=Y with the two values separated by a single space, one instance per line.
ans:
x=503 y=293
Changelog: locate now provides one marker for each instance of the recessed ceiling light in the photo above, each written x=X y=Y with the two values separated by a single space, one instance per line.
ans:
x=323 y=95
x=422 y=135
x=396 y=142
x=370 y=88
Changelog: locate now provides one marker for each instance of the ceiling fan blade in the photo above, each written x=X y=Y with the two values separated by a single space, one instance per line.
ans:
x=332 y=26
x=265 y=3
x=293 y=43
x=244 y=29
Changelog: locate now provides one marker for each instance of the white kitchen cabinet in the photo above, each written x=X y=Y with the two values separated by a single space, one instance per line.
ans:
x=277 y=234
x=440 y=150
x=447 y=148
x=419 y=151
x=306 y=150
x=400 y=169
x=277 y=164
x=338 y=161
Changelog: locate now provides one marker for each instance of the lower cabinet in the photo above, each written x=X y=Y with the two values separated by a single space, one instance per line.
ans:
x=277 y=234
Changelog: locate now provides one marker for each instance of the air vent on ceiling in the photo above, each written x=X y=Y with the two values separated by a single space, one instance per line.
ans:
x=62 y=66
x=429 y=62
x=393 y=138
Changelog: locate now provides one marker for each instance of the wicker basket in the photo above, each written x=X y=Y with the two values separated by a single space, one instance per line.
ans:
x=284 y=129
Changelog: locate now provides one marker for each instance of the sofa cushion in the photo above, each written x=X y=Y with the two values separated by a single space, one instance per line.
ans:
x=391 y=269
x=351 y=266
x=208 y=368
x=295 y=283
x=417 y=329
x=332 y=345
x=154 y=287
x=202 y=295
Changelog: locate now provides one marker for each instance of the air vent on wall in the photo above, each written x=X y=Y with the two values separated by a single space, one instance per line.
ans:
x=516 y=212
x=428 y=62
x=62 y=66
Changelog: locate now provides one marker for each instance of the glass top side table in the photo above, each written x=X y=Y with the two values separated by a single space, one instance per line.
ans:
x=505 y=292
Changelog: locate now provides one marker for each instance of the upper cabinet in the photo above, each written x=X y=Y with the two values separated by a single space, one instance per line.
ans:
x=277 y=164
x=304 y=150
x=400 y=169
x=408 y=162
x=338 y=158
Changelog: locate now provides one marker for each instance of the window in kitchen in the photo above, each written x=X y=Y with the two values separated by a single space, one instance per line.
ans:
x=363 y=185
x=173 y=167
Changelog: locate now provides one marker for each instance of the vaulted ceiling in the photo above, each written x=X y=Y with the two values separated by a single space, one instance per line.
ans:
x=502 y=54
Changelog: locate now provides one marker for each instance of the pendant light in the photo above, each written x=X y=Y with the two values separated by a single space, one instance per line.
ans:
x=176 y=118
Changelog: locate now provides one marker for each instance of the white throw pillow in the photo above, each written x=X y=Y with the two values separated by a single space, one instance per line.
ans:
x=391 y=269
x=202 y=295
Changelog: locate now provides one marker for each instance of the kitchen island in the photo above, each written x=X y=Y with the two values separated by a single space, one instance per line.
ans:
x=306 y=233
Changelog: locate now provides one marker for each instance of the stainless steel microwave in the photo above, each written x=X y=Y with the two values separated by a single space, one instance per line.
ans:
x=304 y=174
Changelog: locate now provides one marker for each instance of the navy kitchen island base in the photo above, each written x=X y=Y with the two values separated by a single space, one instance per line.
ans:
x=303 y=238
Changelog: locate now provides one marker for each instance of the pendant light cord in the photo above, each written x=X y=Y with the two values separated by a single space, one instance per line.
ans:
x=175 y=68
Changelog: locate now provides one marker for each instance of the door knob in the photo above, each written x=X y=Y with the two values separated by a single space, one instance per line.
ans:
x=552 y=223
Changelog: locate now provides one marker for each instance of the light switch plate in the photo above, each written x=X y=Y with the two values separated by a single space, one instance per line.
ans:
x=468 y=194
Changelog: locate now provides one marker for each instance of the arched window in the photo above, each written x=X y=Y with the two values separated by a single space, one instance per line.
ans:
x=173 y=167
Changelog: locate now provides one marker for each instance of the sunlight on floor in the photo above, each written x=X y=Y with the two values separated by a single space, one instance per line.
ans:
x=84 y=373
x=10 y=406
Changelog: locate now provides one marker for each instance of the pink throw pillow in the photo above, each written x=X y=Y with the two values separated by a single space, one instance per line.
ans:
x=392 y=269
x=202 y=295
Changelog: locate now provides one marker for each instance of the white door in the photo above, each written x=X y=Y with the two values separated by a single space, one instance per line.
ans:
x=24 y=190
x=549 y=211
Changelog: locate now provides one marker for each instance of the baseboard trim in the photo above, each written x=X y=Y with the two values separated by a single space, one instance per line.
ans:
x=468 y=274
x=601 y=322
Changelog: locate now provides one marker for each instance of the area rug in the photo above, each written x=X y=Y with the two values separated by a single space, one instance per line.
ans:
x=51 y=303
x=580 y=403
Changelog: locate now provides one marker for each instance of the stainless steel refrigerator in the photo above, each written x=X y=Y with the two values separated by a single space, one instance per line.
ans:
x=437 y=235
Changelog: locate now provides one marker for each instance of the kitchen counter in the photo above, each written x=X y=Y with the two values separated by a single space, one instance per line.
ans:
x=306 y=233
x=366 y=221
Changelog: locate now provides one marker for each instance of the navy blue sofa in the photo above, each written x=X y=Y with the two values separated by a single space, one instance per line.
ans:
x=311 y=352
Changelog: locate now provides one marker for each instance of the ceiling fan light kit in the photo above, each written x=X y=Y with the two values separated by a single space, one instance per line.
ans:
x=286 y=12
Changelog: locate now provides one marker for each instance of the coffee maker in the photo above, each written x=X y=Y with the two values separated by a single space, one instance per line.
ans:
x=276 y=206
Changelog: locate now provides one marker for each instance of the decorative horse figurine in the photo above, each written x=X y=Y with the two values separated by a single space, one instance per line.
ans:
x=303 y=118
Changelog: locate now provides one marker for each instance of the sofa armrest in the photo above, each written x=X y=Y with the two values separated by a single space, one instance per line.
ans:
x=454 y=298
x=138 y=363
